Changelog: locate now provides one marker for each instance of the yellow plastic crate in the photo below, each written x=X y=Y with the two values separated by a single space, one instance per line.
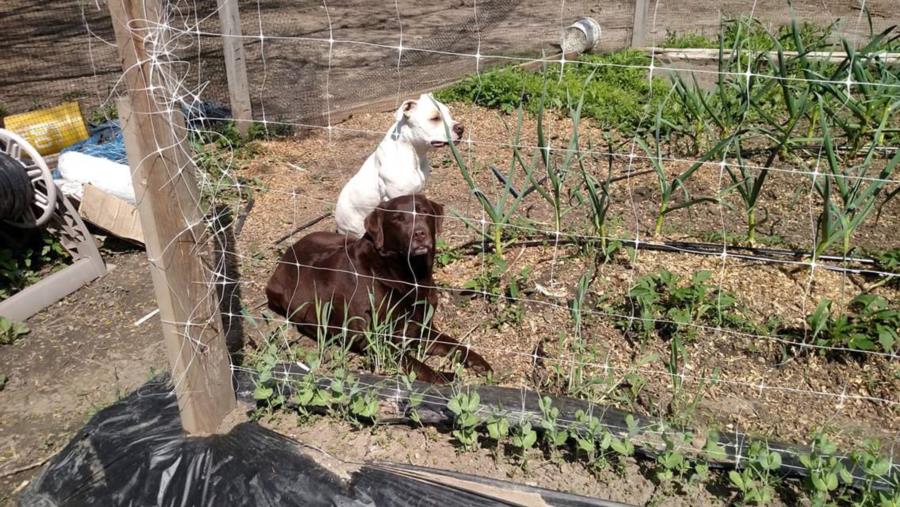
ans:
x=50 y=130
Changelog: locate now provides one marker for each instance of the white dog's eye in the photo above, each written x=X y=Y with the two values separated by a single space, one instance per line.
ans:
x=436 y=119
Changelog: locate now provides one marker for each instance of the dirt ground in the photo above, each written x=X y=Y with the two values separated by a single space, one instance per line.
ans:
x=82 y=354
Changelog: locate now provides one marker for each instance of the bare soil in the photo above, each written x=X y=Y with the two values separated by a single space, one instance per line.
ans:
x=340 y=445
x=82 y=354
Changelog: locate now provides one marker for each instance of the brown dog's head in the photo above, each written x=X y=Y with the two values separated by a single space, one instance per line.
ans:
x=405 y=226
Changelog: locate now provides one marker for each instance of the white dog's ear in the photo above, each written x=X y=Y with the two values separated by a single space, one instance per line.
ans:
x=405 y=109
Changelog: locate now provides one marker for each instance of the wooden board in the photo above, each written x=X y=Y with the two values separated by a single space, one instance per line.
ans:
x=111 y=214
x=168 y=200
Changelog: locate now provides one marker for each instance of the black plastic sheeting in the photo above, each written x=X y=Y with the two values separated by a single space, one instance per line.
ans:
x=135 y=453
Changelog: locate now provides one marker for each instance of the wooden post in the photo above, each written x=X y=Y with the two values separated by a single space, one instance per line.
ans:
x=235 y=66
x=168 y=203
x=639 y=27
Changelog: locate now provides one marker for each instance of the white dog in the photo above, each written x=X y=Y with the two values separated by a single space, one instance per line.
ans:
x=399 y=165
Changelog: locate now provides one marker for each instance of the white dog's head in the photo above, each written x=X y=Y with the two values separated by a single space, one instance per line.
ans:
x=422 y=120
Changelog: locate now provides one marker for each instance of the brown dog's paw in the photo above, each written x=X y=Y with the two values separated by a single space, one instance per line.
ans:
x=477 y=363
x=443 y=377
x=425 y=373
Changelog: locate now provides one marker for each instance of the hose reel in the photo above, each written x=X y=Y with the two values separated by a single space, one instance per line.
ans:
x=28 y=196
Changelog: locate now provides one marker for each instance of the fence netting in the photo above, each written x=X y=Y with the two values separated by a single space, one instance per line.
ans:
x=708 y=244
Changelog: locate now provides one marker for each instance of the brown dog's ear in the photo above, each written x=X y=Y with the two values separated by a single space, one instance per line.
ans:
x=374 y=229
x=438 y=211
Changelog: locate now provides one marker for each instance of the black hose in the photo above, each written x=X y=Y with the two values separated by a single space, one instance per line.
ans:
x=16 y=193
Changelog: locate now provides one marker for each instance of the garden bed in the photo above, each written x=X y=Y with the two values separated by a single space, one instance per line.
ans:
x=782 y=323
x=752 y=380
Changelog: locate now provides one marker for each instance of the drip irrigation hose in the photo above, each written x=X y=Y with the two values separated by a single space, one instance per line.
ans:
x=16 y=192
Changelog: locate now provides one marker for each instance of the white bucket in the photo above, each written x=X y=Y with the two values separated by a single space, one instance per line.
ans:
x=582 y=36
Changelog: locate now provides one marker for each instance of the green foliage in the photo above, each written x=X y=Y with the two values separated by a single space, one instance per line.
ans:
x=23 y=267
x=489 y=280
x=446 y=255
x=888 y=260
x=598 y=194
x=825 y=471
x=598 y=445
x=669 y=186
x=363 y=403
x=465 y=408
x=672 y=464
x=857 y=194
x=751 y=34
x=687 y=40
x=523 y=438
x=554 y=436
x=496 y=283
x=755 y=481
x=619 y=94
x=585 y=439
x=498 y=427
x=502 y=210
x=875 y=468
x=768 y=105
x=266 y=390
x=869 y=324
x=415 y=398
x=10 y=330
x=103 y=113
x=219 y=152
x=664 y=304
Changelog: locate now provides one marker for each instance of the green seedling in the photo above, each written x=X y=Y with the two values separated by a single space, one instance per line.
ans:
x=876 y=470
x=857 y=195
x=523 y=438
x=825 y=471
x=498 y=429
x=11 y=330
x=756 y=481
x=870 y=324
x=465 y=408
x=669 y=186
x=672 y=463
x=554 y=436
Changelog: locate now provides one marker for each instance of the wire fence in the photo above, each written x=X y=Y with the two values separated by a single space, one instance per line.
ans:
x=556 y=288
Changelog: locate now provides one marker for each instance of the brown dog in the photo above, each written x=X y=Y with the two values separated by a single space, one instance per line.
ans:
x=388 y=271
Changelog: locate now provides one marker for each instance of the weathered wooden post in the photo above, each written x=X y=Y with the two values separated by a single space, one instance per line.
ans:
x=168 y=202
x=639 y=27
x=235 y=66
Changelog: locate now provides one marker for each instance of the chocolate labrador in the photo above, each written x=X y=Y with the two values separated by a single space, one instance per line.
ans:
x=387 y=272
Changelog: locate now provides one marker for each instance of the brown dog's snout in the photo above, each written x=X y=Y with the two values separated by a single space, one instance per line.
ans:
x=458 y=129
x=421 y=239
